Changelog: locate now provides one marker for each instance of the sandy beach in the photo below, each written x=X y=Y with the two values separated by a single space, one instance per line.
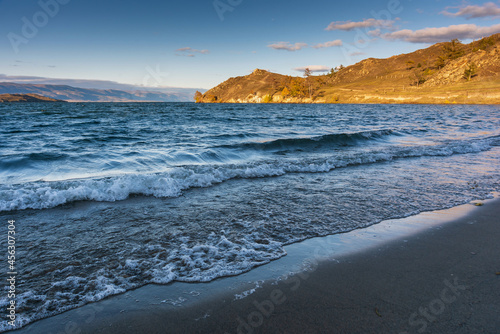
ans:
x=444 y=279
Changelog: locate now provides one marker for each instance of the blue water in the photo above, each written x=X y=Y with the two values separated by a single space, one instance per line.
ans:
x=111 y=196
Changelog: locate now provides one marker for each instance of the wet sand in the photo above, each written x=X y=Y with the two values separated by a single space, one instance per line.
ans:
x=444 y=279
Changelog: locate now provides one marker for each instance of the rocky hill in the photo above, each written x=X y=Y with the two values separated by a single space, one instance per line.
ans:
x=250 y=88
x=26 y=98
x=449 y=72
x=75 y=94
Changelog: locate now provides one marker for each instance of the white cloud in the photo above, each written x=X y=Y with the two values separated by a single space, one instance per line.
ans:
x=375 y=33
x=368 y=23
x=471 y=12
x=189 y=52
x=336 y=42
x=355 y=54
x=287 y=46
x=313 y=68
x=435 y=35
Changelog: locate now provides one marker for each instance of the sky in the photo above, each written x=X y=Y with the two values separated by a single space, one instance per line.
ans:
x=201 y=43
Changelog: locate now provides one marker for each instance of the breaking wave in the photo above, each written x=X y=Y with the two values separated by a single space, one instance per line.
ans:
x=43 y=195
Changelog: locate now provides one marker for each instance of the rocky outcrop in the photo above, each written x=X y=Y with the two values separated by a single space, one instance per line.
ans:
x=245 y=89
x=487 y=63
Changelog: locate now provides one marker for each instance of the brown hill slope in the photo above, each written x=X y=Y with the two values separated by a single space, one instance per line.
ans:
x=26 y=98
x=260 y=82
x=449 y=72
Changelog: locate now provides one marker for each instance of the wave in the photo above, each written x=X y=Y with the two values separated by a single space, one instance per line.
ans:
x=214 y=154
x=15 y=161
x=216 y=257
x=43 y=195
x=340 y=139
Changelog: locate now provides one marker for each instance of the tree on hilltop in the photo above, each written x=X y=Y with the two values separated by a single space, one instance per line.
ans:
x=307 y=73
x=453 y=49
x=450 y=51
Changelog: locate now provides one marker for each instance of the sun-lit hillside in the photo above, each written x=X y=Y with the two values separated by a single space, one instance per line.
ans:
x=449 y=72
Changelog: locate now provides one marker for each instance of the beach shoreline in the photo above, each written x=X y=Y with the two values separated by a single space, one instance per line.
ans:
x=433 y=272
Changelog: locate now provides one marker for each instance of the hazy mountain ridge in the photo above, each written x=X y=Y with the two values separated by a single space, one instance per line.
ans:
x=449 y=72
x=75 y=94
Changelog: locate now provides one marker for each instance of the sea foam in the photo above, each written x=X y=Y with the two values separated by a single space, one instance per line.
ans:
x=43 y=195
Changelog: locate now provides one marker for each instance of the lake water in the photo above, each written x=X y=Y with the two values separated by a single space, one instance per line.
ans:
x=108 y=197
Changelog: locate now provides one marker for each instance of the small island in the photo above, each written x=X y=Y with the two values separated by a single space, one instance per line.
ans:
x=26 y=98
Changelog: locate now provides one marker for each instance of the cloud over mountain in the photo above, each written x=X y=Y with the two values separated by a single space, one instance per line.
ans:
x=475 y=11
x=436 y=35
x=313 y=68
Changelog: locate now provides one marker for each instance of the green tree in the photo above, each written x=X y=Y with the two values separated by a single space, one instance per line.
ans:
x=470 y=71
x=307 y=73
x=440 y=62
x=450 y=51
x=484 y=43
x=417 y=78
x=298 y=87
x=267 y=99
x=409 y=64
x=453 y=49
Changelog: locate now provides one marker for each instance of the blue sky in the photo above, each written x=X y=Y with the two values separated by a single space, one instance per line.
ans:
x=200 y=43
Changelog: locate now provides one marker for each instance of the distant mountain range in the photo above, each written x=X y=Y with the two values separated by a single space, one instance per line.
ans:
x=450 y=72
x=75 y=94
